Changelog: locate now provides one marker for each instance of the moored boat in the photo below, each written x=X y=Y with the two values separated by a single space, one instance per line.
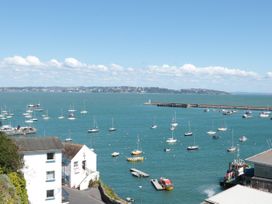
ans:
x=115 y=154
x=137 y=151
x=135 y=159
x=243 y=138
x=166 y=184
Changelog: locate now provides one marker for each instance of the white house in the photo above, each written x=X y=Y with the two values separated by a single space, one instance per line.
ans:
x=42 y=168
x=79 y=165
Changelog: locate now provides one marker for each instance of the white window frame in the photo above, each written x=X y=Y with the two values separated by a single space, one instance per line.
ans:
x=50 y=179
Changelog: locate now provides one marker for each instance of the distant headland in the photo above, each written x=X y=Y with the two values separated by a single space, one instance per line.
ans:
x=111 y=89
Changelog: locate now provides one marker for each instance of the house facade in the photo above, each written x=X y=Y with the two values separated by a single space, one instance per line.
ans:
x=42 y=168
x=79 y=166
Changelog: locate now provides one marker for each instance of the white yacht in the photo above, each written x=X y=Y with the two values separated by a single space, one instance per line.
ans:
x=264 y=115
x=232 y=148
x=189 y=132
x=95 y=128
x=211 y=132
x=171 y=140
x=61 y=116
x=112 y=128
x=71 y=116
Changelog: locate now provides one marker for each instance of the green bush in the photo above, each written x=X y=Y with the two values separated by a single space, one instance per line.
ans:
x=7 y=191
x=10 y=160
x=20 y=185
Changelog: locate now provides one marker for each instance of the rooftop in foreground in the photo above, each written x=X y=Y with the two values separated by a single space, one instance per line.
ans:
x=30 y=144
x=240 y=194
x=264 y=158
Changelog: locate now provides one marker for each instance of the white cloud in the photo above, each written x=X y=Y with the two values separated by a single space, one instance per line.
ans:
x=269 y=74
x=72 y=62
x=54 y=63
x=189 y=69
x=21 y=61
x=31 y=70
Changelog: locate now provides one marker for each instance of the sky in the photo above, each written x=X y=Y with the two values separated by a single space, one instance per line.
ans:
x=224 y=45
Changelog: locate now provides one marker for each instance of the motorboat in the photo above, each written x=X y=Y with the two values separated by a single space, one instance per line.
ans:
x=135 y=159
x=115 y=154
x=211 y=132
x=166 y=184
x=243 y=138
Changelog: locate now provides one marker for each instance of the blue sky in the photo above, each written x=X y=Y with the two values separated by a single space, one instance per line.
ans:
x=224 y=45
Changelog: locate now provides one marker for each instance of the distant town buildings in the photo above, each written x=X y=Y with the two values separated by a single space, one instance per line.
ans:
x=114 y=89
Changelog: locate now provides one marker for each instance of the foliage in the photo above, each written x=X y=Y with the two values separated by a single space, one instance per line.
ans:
x=93 y=184
x=10 y=160
x=7 y=191
x=20 y=185
x=109 y=192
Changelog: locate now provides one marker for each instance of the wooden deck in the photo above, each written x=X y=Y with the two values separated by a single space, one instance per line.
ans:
x=138 y=172
x=156 y=184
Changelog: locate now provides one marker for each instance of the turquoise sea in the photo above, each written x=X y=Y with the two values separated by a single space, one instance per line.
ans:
x=195 y=175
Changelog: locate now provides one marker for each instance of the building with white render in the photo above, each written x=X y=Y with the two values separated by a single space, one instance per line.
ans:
x=42 y=168
x=79 y=165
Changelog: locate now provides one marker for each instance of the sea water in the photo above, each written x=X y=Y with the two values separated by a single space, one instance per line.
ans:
x=195 y=175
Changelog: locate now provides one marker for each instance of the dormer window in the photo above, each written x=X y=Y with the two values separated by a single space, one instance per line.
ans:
x=50 y=156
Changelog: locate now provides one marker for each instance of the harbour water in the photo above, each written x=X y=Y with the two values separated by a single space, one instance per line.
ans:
x=195 y=175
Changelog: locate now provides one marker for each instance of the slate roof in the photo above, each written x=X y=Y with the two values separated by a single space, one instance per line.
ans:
x=70 y=150
x=262 y=158
x=33 y=144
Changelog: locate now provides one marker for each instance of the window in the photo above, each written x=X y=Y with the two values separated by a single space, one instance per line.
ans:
x=50 y=176
x=50 y=156
x=84 y=164
x=50 y=194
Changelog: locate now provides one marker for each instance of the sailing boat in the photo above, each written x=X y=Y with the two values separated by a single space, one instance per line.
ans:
x=61 y=116
x=69 y=139
x=137 y=151
x=171 y=140
x=232 y=148
x=46 y=117
x=223 y=128
x=84 y=111
x=211 y=132
x=112 y=128
x=174 y=123
x=95 y=129
x=154 y=126
x=189 y=133
x=193 y=147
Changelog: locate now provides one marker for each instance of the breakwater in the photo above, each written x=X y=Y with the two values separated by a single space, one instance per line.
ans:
x=214 y=106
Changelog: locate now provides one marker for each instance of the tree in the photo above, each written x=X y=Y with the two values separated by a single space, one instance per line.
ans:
x=10 y=160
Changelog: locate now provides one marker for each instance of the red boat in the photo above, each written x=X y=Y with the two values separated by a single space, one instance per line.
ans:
x=166 y=184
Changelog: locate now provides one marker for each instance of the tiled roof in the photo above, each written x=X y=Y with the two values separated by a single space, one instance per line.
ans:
x=70 y=150
x=32 y=144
